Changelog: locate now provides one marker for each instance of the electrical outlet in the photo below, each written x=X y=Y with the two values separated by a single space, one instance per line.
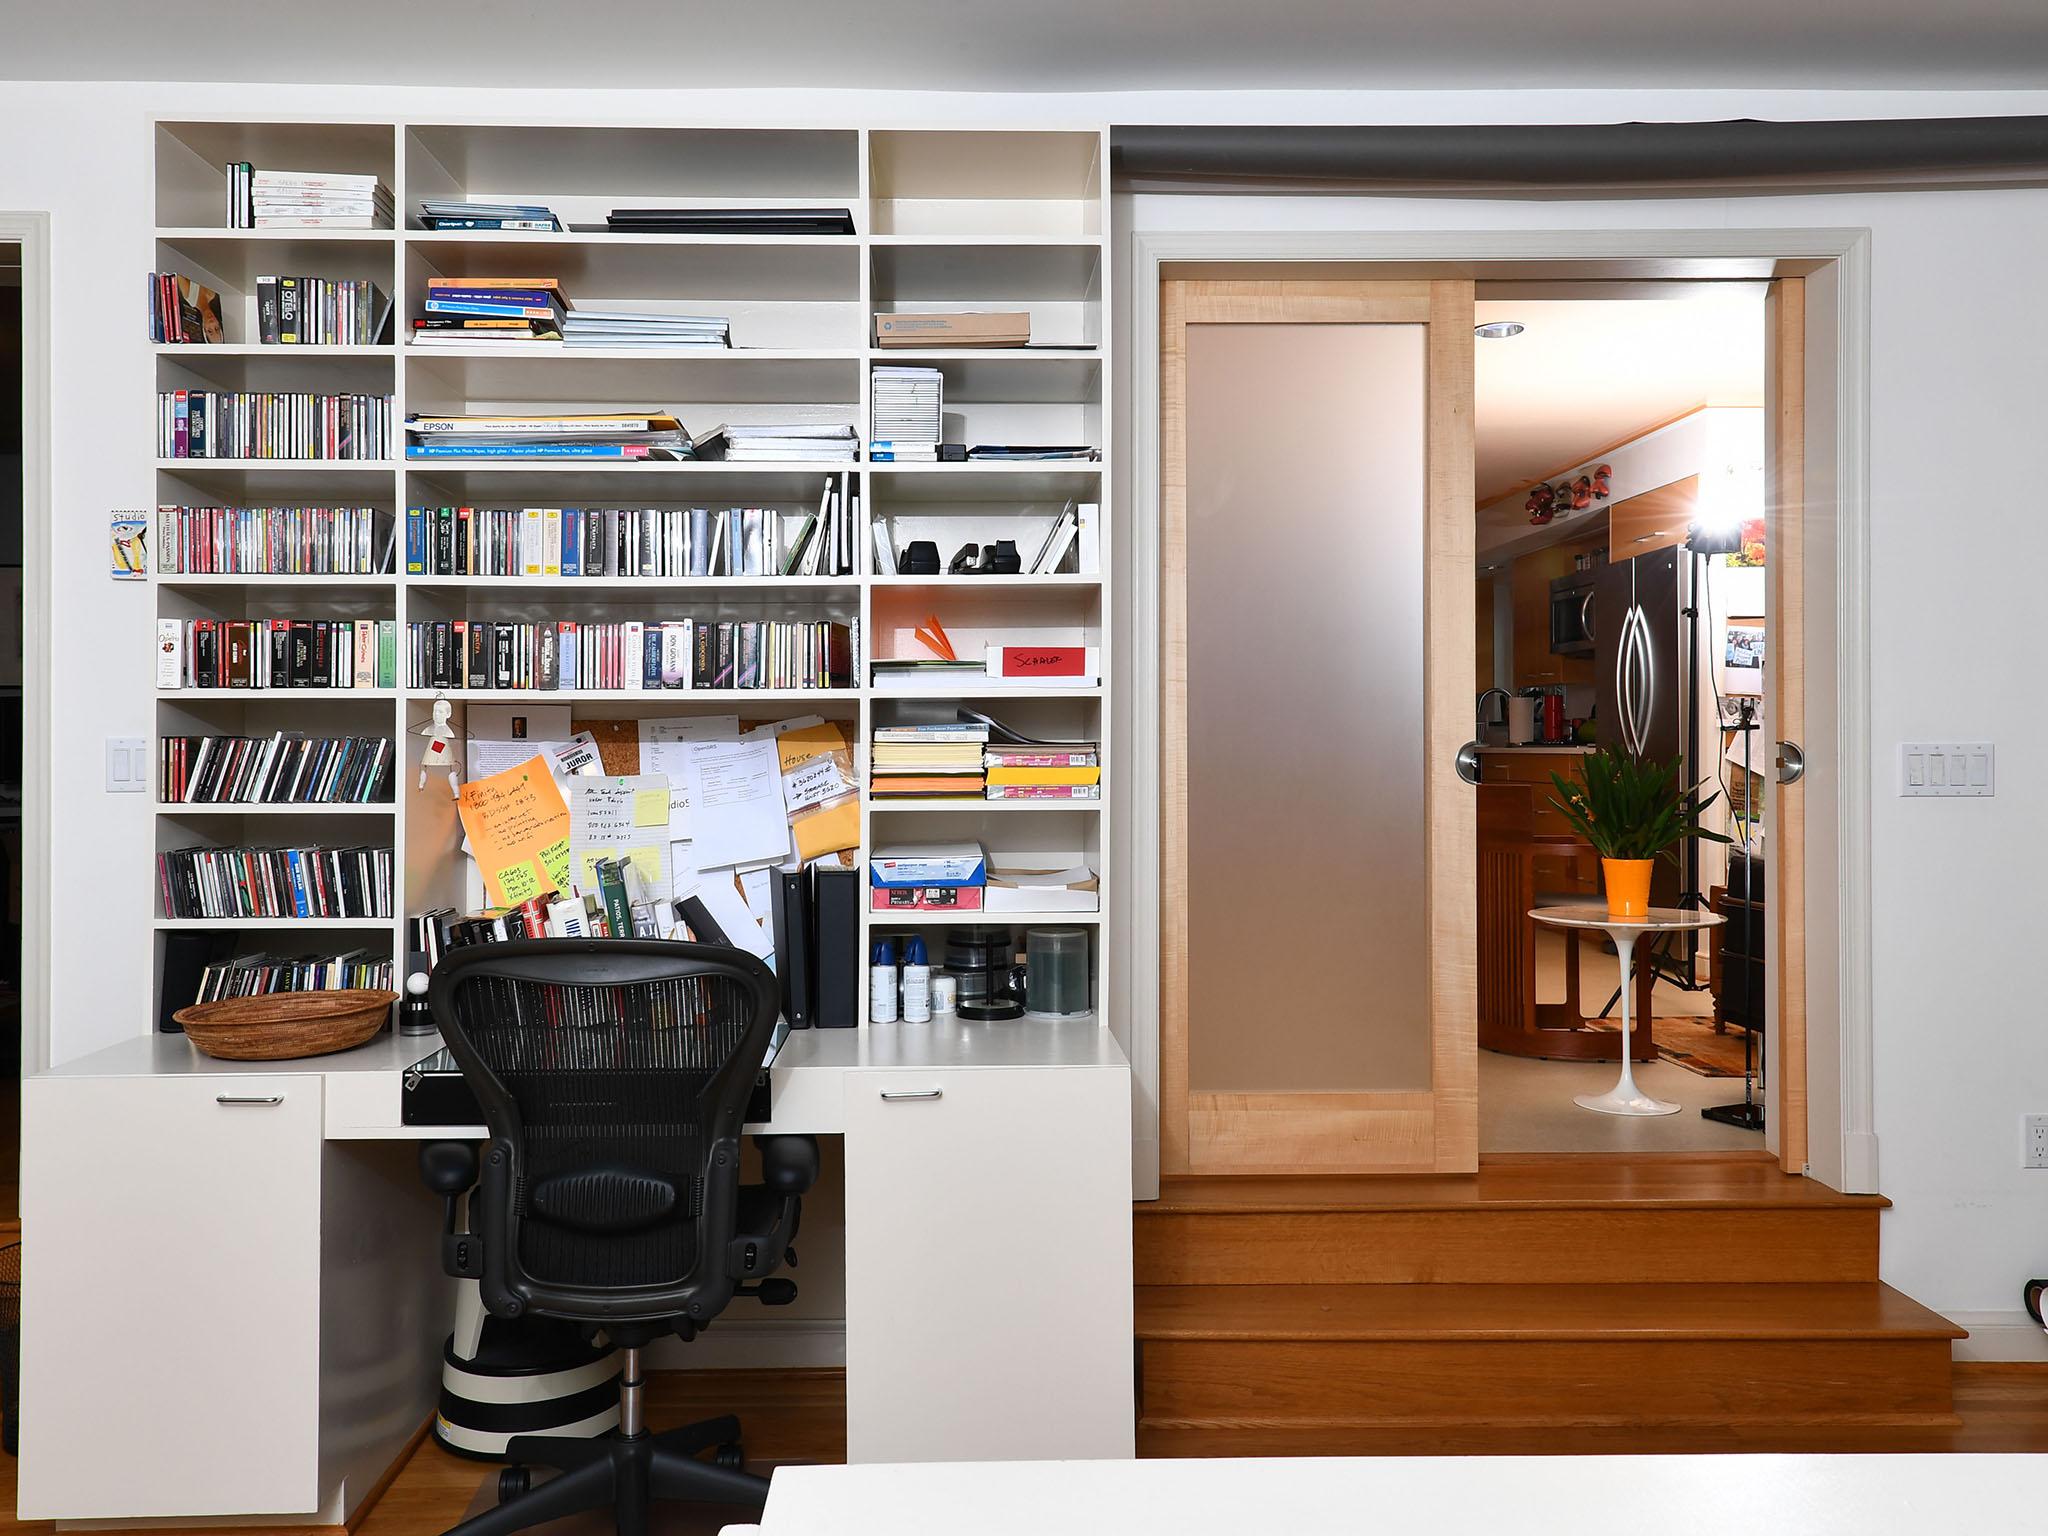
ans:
x=2034 y=1147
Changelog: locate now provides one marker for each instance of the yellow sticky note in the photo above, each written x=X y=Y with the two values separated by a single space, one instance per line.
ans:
x=555 y=860
x=650 y=807
x=646 y=860
x=518 y=882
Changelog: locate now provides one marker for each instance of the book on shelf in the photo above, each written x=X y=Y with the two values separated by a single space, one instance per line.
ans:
x=276 y=653
x=916 y=762
x=184 y=310
x=210 y=882
x=779 y=442
x=1024 y=452
x=265 y=199
x=482 y=311
x=288 y=768
x=638 y=433
x=656 y=542
x=260 y=975
x=964 y=329
x=632 y=655
x=268 y=424
x=731 y=221
x=456 y=214
x=646 y=328
x=275 y=541
x=320 y=311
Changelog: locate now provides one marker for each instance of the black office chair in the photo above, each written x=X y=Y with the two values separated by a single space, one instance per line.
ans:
x=614 y=1076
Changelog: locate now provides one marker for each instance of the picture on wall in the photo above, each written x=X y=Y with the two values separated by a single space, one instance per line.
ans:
x=1743 y=656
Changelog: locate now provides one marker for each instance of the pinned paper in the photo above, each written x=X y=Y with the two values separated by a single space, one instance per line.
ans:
x=735 y=792
x=621 y=818
x=665 y=742
x=517 y=827
x=502 y=736
x=650 y=807
x=818 y=788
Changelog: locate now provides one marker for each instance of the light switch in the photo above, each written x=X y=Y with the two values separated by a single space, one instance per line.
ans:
x=127 y=764
x=1948 y=768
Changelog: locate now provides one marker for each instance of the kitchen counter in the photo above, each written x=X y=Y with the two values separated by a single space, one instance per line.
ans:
x=1576 y=749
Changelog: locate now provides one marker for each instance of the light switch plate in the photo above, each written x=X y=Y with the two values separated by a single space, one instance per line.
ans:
x=127 y=764
x=1948 y=768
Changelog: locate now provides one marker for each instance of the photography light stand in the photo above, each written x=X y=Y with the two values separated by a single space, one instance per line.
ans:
x=1749 y=1114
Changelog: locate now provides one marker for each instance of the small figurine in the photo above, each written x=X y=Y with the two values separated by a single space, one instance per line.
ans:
x=440 y=750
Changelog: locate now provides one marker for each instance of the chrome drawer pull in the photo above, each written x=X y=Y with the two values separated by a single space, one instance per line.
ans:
x=248 y=1098
x=891 y=1095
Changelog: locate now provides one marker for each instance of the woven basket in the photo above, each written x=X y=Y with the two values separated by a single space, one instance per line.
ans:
x=285 y=1025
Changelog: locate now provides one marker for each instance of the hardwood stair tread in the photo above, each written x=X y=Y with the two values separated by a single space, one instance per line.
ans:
x=1527 y=1182
x=1478 y=1313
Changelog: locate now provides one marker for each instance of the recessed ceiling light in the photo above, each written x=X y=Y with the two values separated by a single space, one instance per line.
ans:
x=1498 y=330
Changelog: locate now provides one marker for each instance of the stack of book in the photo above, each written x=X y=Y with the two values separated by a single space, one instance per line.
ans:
x=909 y=415
x=1043 y=770
x=646 y=328
x=631 y=432
x=730 y=221
x=630 y=655
x=184 y=310
x=305 y=199
x=780 y=442
x=448 y=213
x=276 y=653
x=320 y=311
x=270 y=424
x=926 y=762
x=461 y=311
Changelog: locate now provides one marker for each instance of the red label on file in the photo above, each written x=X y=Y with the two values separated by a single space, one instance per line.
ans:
x=1044 y=661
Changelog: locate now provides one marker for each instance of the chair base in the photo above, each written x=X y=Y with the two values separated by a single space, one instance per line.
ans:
x=625 y=1475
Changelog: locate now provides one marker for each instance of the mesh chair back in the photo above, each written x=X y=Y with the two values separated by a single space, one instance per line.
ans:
x=613 y=1075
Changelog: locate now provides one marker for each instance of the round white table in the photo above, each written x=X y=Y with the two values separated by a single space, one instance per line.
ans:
x=1625 y=1098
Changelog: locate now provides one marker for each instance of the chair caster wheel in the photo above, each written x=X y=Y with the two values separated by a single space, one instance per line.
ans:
x=513 y=1483
x=732 y=1457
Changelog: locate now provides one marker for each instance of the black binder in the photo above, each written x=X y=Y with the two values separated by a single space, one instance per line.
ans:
x=837 y=941
x=790 y=912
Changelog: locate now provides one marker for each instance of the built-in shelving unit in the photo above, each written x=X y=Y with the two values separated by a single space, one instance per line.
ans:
x=944 y=219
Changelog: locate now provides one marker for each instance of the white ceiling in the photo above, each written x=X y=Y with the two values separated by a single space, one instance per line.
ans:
x=1041 y=45
x=1590 y=373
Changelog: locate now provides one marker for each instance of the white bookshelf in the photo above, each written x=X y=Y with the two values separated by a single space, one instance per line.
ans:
x=944 y=220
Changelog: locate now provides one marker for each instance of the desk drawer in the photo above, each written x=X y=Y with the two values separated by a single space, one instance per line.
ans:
x=171 y=1309
x=988 y=1264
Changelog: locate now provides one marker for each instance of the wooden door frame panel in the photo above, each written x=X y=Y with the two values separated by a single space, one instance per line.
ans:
x=1435 y=1130
x=1839 y=1057
x=1785 y=804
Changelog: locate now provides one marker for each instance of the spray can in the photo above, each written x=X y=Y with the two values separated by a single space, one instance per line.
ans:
x=882 y=983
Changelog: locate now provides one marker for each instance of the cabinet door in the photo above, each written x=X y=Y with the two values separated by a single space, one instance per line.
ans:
x=988 y=1265
x=171 y=1296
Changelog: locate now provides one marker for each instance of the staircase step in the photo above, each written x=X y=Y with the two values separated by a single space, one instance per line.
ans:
x=1538 y=1219
x=1319 y=1361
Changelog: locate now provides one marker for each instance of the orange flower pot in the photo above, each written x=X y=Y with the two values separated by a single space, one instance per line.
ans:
x=1628 y=886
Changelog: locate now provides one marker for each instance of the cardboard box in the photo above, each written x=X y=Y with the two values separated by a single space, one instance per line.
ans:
x=1009 y=329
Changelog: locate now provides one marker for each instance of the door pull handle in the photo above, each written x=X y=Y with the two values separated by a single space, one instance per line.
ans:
x=897 y=1095
x=248 y=1098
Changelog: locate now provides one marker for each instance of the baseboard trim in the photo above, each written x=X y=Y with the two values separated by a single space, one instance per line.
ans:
x=2000 y=1336
x=727 y=1346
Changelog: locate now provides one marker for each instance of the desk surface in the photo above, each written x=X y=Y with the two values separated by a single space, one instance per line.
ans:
x=1445 y=1495
x=361 y=1087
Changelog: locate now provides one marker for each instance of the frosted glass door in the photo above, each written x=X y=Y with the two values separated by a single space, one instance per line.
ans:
x=1317 y=840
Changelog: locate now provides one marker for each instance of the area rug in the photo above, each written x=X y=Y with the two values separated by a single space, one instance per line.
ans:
x=1691 y=1044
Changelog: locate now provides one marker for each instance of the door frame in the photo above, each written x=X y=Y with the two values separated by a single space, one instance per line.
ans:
x=1842 y=1145
x=1427 y=1130
x=31 y=231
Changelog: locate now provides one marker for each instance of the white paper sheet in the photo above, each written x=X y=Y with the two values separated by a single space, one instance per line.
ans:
x=735 y=795
x=731 y=913
x=665 y=742
x=614 y=818
x=503 y=736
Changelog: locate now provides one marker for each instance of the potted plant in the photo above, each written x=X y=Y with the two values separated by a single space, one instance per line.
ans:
x=1632 y=810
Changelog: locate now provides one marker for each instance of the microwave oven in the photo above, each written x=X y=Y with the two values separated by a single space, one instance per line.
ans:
x=1571 y=614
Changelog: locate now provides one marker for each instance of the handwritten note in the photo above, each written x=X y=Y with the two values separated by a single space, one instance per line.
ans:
x=621 y=818
x=517 y=826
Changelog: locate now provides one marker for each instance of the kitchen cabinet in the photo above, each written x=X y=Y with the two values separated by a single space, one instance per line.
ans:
x=1529 y=582
x=1654 y=520
x=1534 y=766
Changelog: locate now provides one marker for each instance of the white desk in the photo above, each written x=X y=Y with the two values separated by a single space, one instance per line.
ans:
x=236 y=1306
x=1443 y=1495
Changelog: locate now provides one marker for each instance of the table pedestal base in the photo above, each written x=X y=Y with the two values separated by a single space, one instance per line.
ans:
x=1625 y=1098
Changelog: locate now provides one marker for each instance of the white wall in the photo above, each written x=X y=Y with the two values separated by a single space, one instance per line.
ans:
x=1958 y=399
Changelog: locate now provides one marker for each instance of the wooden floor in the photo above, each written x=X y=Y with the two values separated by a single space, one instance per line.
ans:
x=801 y=1416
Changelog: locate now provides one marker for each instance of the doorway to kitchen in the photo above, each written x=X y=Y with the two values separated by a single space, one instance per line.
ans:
x=1622 y=631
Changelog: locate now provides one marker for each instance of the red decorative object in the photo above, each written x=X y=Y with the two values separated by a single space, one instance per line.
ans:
x=1541 y=505
x=1582 y=493
x=1603 y=481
